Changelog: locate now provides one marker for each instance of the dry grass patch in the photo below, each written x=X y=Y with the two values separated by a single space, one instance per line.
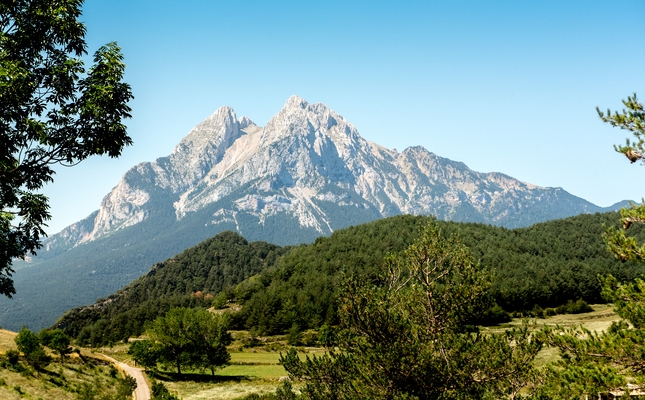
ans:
x=598 y=320
x=119 y=352
x=7 y=340
x=56 y=381
x=226 y=390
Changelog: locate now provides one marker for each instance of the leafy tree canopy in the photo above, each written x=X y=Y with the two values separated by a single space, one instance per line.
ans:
x=144 y=353
x=189 y=337
x=52 y=111
x=29 y=344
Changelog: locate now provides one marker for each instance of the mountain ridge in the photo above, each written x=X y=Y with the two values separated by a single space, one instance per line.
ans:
x=223 y=152
x=305 y=174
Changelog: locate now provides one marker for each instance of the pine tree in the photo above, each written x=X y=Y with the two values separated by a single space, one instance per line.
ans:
x=592 y=362
x=631 y=119
x=409 y=336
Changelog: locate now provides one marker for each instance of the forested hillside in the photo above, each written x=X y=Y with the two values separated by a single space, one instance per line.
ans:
x=189 y=279
x=544 y=265
x=278 y=288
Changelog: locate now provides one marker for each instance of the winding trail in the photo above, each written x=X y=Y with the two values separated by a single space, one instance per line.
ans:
x=142 y=392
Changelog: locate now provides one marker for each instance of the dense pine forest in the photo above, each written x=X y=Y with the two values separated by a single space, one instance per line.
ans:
x=276 y=289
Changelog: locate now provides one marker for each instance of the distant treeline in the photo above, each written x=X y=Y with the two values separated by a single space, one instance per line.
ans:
x=274 y=289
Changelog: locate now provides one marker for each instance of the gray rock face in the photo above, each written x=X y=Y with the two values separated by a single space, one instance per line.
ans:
x=310 y=165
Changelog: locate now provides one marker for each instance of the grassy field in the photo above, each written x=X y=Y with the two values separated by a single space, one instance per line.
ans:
x=56 y=381
x=598 y=320
x=251 y=370
x=258 y=371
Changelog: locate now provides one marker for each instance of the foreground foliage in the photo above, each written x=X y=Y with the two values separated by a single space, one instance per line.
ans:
x=409 y=337
x=631 y=119
x=593 y=363
x=51 y=112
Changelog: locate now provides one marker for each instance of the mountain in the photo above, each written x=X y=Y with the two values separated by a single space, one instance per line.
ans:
x=305 y=174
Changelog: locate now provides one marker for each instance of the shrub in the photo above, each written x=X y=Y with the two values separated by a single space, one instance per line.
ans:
x=294 y=337
x=160 y=392
x=12 y=356
x=220 y=301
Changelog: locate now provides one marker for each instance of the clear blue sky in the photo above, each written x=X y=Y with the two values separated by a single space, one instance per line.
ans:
x=507 y=86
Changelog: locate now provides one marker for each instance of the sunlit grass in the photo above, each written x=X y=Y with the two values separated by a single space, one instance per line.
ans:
x=7 y=340
x=254 y=370
x=56 y=381
x=598 y=320
x=257 y=369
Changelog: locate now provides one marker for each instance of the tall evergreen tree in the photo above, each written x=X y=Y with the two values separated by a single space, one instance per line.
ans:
x=409 y=337
x=632 y=119
x=599 y=362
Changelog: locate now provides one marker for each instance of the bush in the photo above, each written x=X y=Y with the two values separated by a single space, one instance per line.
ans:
x=220 y=300
x=327 y=336
x=126 y=387
x=572 y=307
x=251 y=340
x=294 y=337
x=29 y=344
x=578 y=307
x=309 y=338
x=12 y=356
x=160 y=392
x=493 y=316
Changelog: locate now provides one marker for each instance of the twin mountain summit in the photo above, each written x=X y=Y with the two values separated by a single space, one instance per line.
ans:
x=305 y=174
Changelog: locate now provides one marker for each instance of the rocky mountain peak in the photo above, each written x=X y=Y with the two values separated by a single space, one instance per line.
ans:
x=213 y=135
x=309 y=167
x=245 y=122
x=315 y=125
x=295 y=102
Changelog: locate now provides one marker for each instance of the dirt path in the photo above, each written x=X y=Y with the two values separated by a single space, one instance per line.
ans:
x=142 y=392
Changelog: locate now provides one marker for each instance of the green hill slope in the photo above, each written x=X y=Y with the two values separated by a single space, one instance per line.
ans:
x=188 y=279
x=276 y=288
